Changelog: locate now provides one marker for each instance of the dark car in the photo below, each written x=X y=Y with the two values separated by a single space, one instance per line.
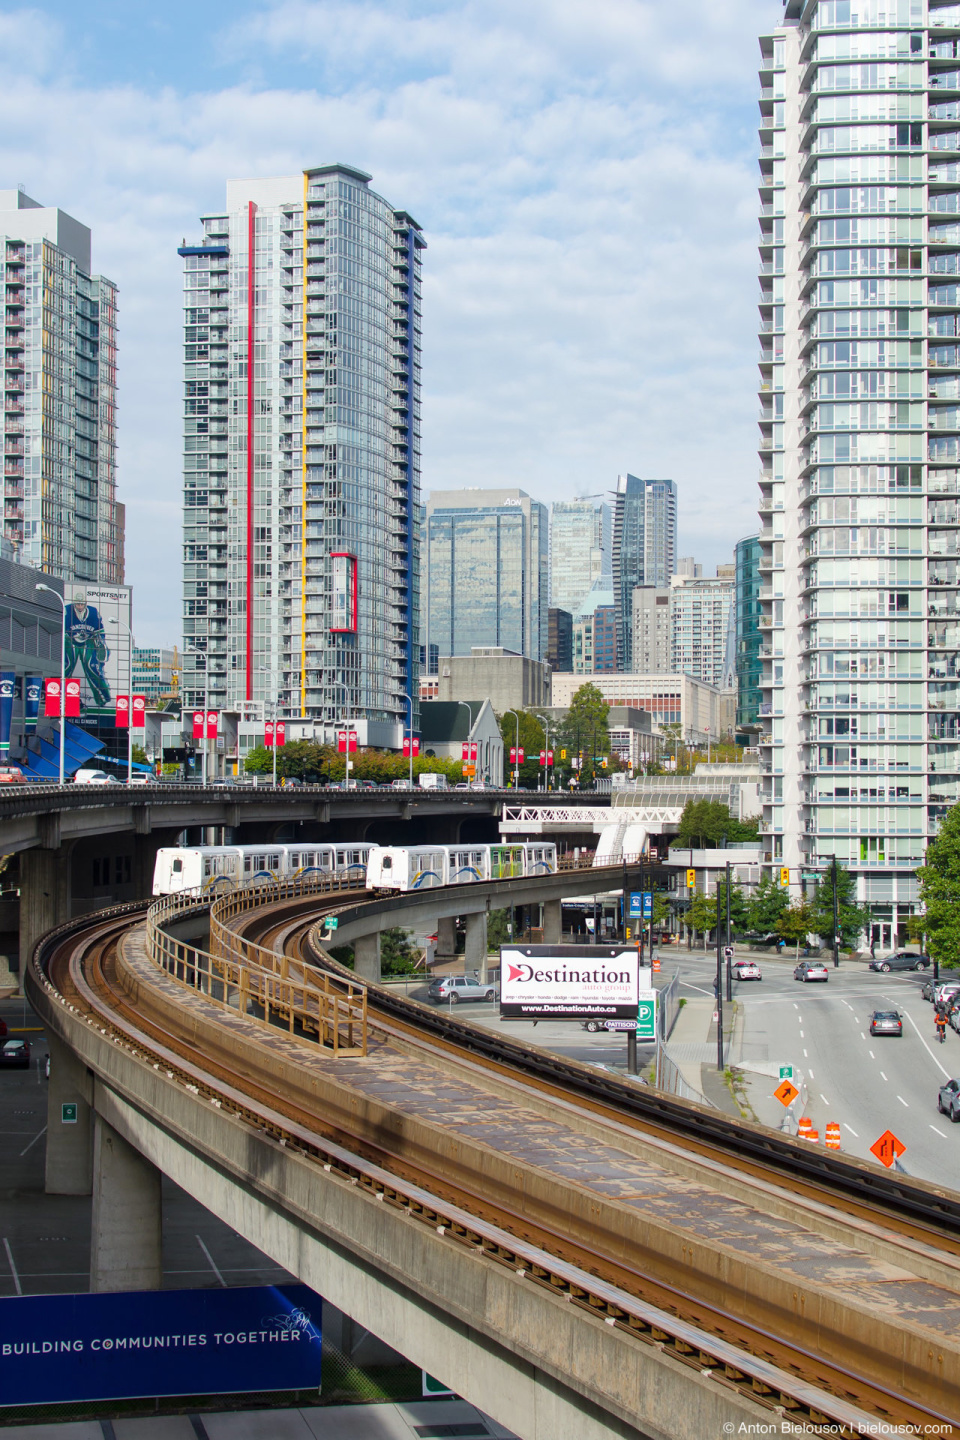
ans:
x=15 y=1054
x=901 y=960
x=811 y=970
x=886 y=1022
x=948 y=1100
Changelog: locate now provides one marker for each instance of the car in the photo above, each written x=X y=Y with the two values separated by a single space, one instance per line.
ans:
x=948 y=1100
x=15 y=1054
x=456 y=988
x=142 y=779
x=886 y=1022
x=292 y=782
x=94 y=777
x=937 y=990
x=593 y=1025
x=901 y=960
x=811 y=970
x=12 y=775
x=747 y=970
x=400 y=785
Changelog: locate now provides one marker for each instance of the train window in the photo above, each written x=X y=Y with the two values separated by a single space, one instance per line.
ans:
x=177 y=867
x=388 y=862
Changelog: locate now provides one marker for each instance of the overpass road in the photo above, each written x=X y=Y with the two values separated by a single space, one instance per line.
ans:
x=580 y=1256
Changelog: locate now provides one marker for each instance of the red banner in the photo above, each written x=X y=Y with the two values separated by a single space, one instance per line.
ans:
x=280 y=732
x=469 y=752
x=123 y=712
x=546 y=757
x=72 y=699
x=139 y=712
x=213 y=724
x=51 y=697
x=198 y=724
x=347 y=742
x=407 y=743
x=516 y=756
x=268 y=734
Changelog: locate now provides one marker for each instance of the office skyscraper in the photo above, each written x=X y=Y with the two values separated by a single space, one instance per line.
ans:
x=644 y=548
x=302 y=450
x=860 y=439
x=580 y=541
x=60 y=508
x=487 y=571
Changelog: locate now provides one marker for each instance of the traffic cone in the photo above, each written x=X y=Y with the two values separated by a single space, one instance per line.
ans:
x=813 y=1136
x=832 y=1135
x=804 y=1127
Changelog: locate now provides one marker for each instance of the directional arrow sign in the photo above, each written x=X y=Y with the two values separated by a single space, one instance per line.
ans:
x=888 y=1148
x=786 y=1092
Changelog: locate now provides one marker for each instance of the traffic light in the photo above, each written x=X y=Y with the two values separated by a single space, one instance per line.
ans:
x=563 y=754
x=691 y=879
x=784 y=877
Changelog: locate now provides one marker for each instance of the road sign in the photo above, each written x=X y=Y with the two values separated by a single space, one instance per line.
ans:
x=888 y=1148
x=786 y=1072
x=621 y=1024
x=647 y=1015
x=728 y=952
x=68 y=1113
x=331 y=922
x=786 y=1092
x=691 y=879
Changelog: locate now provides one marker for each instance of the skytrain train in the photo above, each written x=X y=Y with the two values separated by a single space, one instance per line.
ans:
x=199 y=867
x=418 y=867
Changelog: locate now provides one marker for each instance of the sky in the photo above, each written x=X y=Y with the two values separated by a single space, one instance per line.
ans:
x=585 y=174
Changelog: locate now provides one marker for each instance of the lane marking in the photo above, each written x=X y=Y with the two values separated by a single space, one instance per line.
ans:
x=903 y=1102
x=883 y=1077
x=795 y=1005
x=33 y=1142
x=871 y=1054
x=13 y=1268
x=927 y=1047
x=862 y=1036
x=851 y=1129
x=824 y=1098
x=699 y=989
x=804 y=1054
x=810 y=1073
x=938 y=1132
x=212 y=1263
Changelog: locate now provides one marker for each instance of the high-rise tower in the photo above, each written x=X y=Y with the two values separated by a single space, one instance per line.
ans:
x=644 y=548
x=60 y=508
x=579 y=550
x=302 y=450
x=859 y=421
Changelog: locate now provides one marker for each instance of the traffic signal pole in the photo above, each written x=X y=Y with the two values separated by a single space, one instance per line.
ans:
x=729 y=942
x=719 y=985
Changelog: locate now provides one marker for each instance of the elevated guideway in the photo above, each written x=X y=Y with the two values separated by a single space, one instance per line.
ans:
x=578 y=1255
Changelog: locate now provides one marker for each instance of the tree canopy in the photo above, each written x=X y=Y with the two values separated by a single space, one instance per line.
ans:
x=767 y=904
x=584 y=732
x=940 y=890
x=851 y=917
x=531 y=743
x=308 y=761
x=708 y=823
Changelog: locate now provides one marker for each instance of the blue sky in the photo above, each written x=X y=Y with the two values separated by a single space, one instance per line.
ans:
x=585 y=174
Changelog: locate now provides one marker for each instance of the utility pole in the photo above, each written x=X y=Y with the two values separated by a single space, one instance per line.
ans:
x=836 y=919
x=729 y=939
x=719 y=985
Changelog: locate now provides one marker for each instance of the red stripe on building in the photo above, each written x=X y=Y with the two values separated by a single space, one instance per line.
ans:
x=251 y=317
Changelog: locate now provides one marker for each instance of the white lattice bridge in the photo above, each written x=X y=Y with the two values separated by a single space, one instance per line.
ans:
x=569 y=819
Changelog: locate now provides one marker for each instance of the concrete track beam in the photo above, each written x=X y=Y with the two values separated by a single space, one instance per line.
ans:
x=69 y=1163
x=366 y=956
x=126 y=1228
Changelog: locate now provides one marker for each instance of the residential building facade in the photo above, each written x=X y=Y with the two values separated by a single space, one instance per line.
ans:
x=652 y=630
x=595 y=632
x=559 y=639
x=580 y=541
x=487 y=571
x=700 y=617
x=644 y=548
x=749 y=636
x=302 y=451
x=156 y=671
x=60 y=508
x=860 y=440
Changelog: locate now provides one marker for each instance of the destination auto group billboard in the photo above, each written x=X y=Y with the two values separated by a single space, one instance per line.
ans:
x=158 y=1342
x=575 y=982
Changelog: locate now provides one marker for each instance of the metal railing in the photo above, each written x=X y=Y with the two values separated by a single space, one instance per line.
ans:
x=251 y=979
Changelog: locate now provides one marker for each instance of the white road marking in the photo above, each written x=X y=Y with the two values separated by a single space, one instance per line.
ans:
x=938 y=1132
x=804 y=1054
x=13 y=1268
x=810 y=1073
x=927 y=1047
x=871 y=1054
x=883 y=1077
x=802 y=1036
x=33 y=1142
x=903 y=1102
x=795 y=1005
x=700 y=991
x=862 y=1036
x=851 y=1129
x=824 y=1098
x=211 y=1262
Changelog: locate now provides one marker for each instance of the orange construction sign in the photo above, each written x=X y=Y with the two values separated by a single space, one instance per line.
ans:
x=786 y=1092
x=888 y=1148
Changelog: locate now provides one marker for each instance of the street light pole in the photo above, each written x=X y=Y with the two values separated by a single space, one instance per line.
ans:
x=409 y=701
x=729 y=939
x=546 y=752
x=516 y=750
x=719 y=987
x=469 y=727
x=63 y=670
x=836 y=918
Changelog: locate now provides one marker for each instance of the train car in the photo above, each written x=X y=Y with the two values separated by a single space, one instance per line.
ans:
x=399 y=867
x=405 y=867
x=201 y=867
x=196 y=867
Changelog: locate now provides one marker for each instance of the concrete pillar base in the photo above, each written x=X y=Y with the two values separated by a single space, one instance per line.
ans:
x=69 y=1140
x=552 y=922
x=126 y=1250
x=475 y=957
x=44 y=897
x=366 y=957
x=446 y=939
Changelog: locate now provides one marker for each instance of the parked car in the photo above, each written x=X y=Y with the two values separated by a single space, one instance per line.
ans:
x=901 y=960
x=747 y=970
x=940 y=989
x=948 y=1100
x=94 y=777
x=886 y=1022
x=12 y=775
x=142 y=779
x=811 y=970
x=593 y=1025
x=15 y=1054
x=292 y=782
x=455 y=988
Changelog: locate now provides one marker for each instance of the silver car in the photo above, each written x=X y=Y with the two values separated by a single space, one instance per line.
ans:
x=455 y=988
x=948 y=1100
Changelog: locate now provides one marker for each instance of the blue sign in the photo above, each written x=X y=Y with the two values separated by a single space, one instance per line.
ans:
x=641 y=905
x=8 y=683
x=56 y=1348
x=31 y=701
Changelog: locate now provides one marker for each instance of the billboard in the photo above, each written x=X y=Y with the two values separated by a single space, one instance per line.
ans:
x=98 y=621
x=65 y=1348
x=573 y=982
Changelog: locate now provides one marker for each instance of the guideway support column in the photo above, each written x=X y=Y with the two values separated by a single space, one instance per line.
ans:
x=126 y=1231
x=475 y=954
x=446 y=938
x=552 y=922
x=44 y=897
x=69 y=1123
x=366 y=957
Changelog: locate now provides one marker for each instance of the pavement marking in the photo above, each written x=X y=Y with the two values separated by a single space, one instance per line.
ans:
x=802 y=1036
x=809 y=1072
x=13 y=1268
x=903 y=1102
x=804 y=1054
x=33 y=1142
x=883 y=1077
x=862 y=1036
x=927 y=1047
x=871 y=1054
x=699 y=989
x=795 y=1005
x=851 y=1129
x=211 y=1262
x=824 y=1098
x=938 y=1132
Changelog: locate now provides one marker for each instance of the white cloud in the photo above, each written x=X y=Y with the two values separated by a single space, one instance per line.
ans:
x=586 y=179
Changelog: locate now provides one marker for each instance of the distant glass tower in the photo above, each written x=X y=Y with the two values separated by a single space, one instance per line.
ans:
x=580 y=535
x=60 y=508
x=749 y=636
x=644 y=548
x=302 y=450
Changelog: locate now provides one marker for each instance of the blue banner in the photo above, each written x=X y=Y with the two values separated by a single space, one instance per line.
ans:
x=56 y=1348
x=641 y=905
x=32 y=689
x=8 y=686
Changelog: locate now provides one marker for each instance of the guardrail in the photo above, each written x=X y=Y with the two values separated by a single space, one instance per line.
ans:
x=252 y=980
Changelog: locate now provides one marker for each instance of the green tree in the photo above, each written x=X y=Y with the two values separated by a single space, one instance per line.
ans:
x=303 y=759
x=738 y=906
x=796 y=923
x=767 y=904
x=703 y=823
x=701 y=914
x=585 y=732
x=139 y=755
x=398 y=954
x=851 y=917
x=531 y=743
x=940 y=890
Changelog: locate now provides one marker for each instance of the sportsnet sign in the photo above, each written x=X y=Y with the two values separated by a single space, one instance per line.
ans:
x=574 y=982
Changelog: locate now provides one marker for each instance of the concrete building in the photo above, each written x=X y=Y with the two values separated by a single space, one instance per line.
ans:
x=487 y=569
x=30 y=632
x=559 y=639
x=749 y=636
x=702 y=636
x=507 y=680
x=860 y=441
x=156 y=671
x=702 y=711
x=652 y=630
x=302 y=450
x=446 y=726
x=60 y=508
x=595 y=632
x=644 y=548
x=580 y=550
x=633 y=737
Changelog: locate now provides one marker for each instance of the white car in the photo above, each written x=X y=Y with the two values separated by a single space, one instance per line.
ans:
x=142 y=779
x=747 y=970
x=94 y=777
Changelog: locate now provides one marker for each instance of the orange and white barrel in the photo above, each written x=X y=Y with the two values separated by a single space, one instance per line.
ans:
x=832 y=1135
